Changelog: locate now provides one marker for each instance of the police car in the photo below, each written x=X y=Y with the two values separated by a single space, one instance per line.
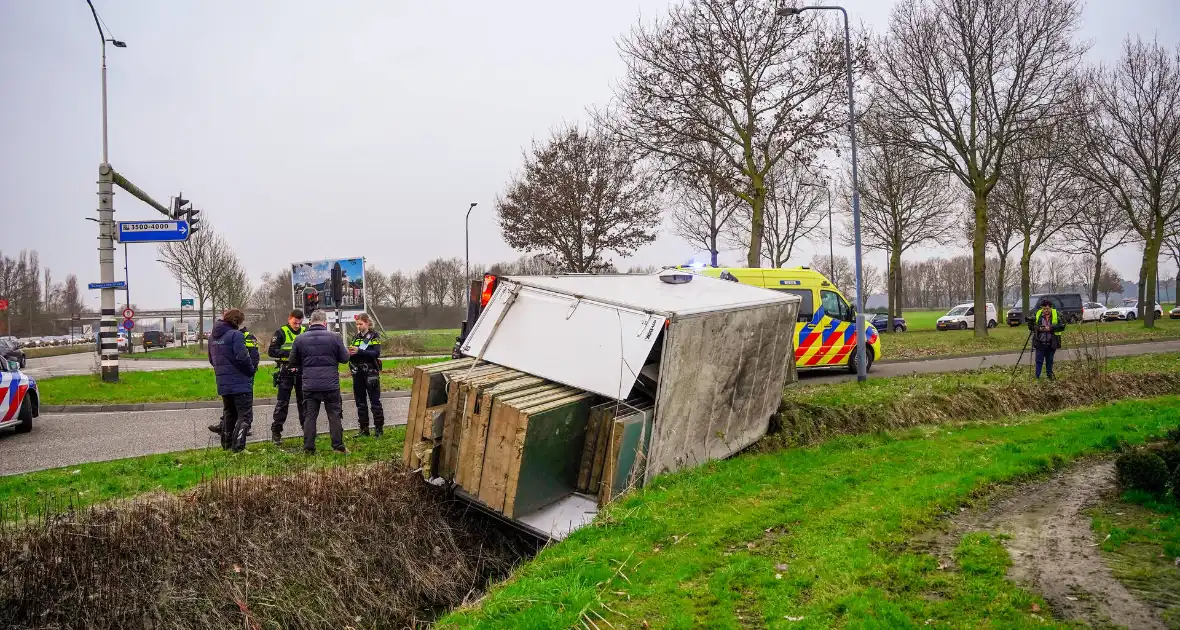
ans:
x=19 y=398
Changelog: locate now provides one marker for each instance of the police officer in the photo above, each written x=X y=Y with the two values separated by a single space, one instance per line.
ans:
x=252 y=349
x=1046 y=328
x=364 y=362
x=284 y=378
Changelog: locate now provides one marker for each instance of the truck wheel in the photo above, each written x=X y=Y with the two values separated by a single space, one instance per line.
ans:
x=868 y=361
x=25 y=416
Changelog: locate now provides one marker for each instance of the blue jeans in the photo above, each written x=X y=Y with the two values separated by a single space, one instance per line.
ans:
x=1045 y=357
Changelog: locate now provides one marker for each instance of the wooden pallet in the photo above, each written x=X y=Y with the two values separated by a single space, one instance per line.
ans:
x=475 y=431
x=427 y=393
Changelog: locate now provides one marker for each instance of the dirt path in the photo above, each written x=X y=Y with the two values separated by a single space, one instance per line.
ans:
x=1053 y=549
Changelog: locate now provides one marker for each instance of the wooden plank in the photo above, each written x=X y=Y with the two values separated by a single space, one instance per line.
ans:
x=545 y=453
x=452 y=423
x=417 y=398
x=592 y=425
x=614 y=445
x=425 y=377
x=475 y=435
x=479 y=456
x=473 y=390
x=607 y=411
x=501 y=433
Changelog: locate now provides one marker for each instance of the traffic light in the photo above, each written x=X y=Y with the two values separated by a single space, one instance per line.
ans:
x=191 y=215
x=178 y=206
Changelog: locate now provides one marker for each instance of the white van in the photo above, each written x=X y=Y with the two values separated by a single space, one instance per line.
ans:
x=962 y=317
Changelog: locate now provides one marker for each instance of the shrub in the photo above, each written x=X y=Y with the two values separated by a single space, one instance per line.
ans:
x=1173 y=434
x=1171 y=455
x=1142 y=470
x=1176 y=484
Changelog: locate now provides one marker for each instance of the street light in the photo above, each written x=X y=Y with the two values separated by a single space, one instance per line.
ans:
x=467 y=238
x=861 y=372
x=108 y=347
x=831 y=245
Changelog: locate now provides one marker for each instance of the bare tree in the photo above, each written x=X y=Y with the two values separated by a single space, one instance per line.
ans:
x=1095 y=228
x=704 y=206
x=1133 y=147
x=839 y=271
x=422 y=290
x=731 y=75
x=401 y=292
x=192 y=263
x=1036 y=194
x=1172 y=248
x=1109 y=282
x=905 y=201
x=580 y=196
x=795 y=209
x=975 y=76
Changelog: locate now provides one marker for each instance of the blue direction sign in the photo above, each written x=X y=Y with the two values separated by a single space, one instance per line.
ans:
x=118 y=284
x=152 y=231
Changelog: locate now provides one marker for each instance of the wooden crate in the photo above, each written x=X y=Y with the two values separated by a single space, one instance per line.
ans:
x=545 y=453
x=428 y=390
x=460 y=387
x=626 y=459
x=502 y=425
x=475 y=429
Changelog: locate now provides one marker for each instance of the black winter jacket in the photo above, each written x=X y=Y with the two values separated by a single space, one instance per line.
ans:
x=367 y=360
x=317 y=355
x=231 y=361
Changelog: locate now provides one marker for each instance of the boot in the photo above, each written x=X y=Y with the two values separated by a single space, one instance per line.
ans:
x=276 y=438
x=215 y=428
x=378 y=432
x=363 y=432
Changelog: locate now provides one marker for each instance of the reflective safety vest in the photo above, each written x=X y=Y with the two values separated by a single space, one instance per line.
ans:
x=251 y=340
x=289 y=336
x=1052 y=319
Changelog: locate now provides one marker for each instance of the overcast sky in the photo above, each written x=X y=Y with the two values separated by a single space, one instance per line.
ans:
x=308 y=130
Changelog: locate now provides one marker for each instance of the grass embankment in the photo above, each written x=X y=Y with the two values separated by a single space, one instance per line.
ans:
x=1141 y=544
x=397 y=343
x=811 y=413
x=98 y=482
x=187 y=385
x=811 y=537
x=917 y=344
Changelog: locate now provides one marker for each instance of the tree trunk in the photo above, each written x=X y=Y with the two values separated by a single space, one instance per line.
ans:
x=1097 y=278
x=979 y=264
x=1151 y=262
x=757 y=206
x=1142 y=284
x=1001 y=278
x=1025 y=280
x=713 y=249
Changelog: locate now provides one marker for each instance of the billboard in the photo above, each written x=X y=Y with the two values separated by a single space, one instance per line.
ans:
x=329 y=285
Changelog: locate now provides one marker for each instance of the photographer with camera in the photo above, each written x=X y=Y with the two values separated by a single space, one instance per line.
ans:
x=364 y=362
x=1046 y=328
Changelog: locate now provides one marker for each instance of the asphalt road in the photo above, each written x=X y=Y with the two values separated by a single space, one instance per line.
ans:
x=70 y=439
x=74 y=438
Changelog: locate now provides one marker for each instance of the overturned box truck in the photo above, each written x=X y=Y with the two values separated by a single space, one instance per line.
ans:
x=571 y=390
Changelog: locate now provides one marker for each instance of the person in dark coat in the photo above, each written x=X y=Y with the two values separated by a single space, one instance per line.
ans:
x=235 y=378
x=317 y=355
x=364 y=364
x=255 y=358
x=1046 y=328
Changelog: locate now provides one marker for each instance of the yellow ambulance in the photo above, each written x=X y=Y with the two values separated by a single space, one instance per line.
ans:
x=826 y=329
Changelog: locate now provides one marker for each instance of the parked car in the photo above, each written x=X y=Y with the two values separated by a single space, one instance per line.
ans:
x=154 y=339
x=1174 y=313
x=1092 y=311
x=880 y=321
x=1069 y=307
x=14 y=349
x=20 y=400
x=962 y=317
x=1128 y=311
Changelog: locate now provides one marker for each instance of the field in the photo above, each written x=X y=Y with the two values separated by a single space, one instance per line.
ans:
x=57 y=351
x=187 y=385
x=87 y=484
x=397 y=343
x=812 y=537
x=917 y=343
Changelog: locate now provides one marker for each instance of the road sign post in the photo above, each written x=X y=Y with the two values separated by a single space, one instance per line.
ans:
x=128 y=313
x=152 y=231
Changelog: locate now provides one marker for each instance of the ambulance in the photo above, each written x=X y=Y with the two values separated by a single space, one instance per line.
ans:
x=825 y=333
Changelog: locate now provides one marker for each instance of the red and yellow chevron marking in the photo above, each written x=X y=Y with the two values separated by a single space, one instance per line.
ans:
x=821 y=354
x=809 y=342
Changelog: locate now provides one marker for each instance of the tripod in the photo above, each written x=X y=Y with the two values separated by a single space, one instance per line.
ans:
x=1021 y=356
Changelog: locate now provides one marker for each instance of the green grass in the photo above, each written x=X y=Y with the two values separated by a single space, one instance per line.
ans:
x=187 y=385
x=1141 y=544
x=87 y=484
x=811 y=538
x=411 y=342
x=916 y=343
x=190 y=352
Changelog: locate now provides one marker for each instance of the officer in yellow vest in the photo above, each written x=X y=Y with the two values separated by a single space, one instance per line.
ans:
x=364 y=362
x=1046 y=328
x=285 y=380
